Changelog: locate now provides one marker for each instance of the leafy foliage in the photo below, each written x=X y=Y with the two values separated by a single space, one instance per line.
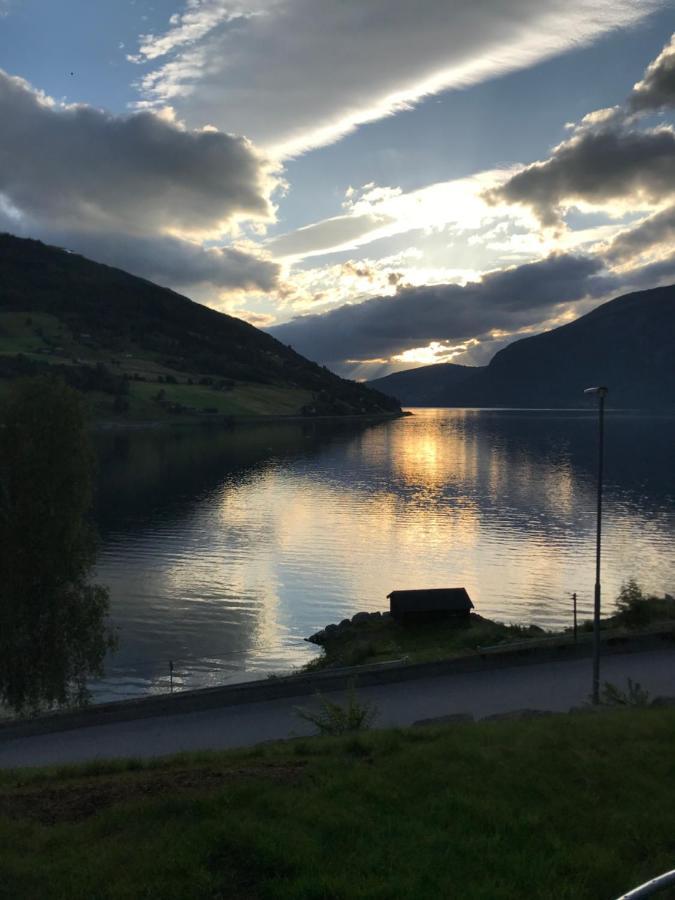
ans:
x=52 y=620
x=632 y=604
x=634 y=695
x=335 y=719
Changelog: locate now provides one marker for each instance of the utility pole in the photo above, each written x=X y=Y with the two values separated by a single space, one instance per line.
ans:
x=601 y=393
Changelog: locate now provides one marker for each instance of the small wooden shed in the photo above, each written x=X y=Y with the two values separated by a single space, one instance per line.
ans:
x=437 y=603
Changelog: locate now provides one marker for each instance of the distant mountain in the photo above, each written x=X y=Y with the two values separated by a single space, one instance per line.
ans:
x=142 y=351
x=426 y=386
x=627 y=343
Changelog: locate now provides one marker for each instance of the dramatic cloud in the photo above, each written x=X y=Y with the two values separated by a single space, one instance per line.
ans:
x=164 y=259
x=653 y=235
x=178 y=263
x=607 y=162
x=503 y=300
x=657 y=88
x=649 y=276
x=81 y=168
x=602 y=167
x=337 y=64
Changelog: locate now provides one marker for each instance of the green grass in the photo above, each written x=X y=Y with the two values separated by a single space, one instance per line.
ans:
x=381 y=639
x=45 y=339
x=29 y=332
x=243 y=399
x=575 y=807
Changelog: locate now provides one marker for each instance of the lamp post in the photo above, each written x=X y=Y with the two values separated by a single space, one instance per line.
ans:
x=601 y=393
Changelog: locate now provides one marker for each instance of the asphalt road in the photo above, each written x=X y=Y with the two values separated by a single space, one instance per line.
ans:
x=552 y=686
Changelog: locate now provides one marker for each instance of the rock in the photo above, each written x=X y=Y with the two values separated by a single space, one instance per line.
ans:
x=451 y=719
x=330 y=631
x=317 y=638
x=517 y=715
x=345 y=623
x=360 y=617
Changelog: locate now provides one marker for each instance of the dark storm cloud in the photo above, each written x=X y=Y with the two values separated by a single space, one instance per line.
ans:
x=80 y=167
x=653 y=233
x=178 y=263
x=597 y=165
x=166 y=260
x=657 y=88
x=414 y=317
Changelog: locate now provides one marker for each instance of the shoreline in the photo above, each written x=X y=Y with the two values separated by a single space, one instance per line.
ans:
x=303 y=683
x=225 y=422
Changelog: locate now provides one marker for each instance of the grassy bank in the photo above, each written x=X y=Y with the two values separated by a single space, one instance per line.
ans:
x=381 y=638
x=376 y=637
x=558 y=807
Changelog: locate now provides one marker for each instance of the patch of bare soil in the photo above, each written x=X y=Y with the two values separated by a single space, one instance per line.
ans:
x=74 y=802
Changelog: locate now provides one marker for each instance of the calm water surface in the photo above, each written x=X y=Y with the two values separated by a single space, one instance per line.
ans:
x=223 y=550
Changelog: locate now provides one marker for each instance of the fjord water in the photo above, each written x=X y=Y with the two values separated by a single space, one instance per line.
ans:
x=224 y=549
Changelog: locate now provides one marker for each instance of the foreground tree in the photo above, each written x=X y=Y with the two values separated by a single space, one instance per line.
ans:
x=53 y=628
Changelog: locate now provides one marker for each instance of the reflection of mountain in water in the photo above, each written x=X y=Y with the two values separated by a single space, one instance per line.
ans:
x=146 y=471
x=182 y=554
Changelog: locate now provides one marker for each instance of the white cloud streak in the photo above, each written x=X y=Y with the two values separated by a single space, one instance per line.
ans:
x=295 y=74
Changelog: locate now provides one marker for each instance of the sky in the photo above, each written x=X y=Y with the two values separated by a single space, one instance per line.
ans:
x=380 y=184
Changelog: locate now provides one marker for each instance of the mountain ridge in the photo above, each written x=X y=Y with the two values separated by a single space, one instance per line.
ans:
x=627 y=343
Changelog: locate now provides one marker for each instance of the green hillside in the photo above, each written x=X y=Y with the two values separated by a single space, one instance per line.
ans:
x=142 y=352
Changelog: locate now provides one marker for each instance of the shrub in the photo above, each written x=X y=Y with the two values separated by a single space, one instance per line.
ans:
x=335 y=719
x=634 y=695
x=632 y=605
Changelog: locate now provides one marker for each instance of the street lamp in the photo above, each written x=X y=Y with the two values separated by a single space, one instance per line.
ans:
x=601 y=393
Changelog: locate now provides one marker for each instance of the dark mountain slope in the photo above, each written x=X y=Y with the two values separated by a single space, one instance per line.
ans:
x=61 y=309
x=426 y=386
x=627 y=343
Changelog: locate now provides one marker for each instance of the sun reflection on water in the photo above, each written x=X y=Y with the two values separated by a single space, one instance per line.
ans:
x=231 y=573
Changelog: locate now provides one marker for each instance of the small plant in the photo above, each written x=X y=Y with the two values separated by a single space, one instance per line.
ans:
x=335 y=718
x=634 y=695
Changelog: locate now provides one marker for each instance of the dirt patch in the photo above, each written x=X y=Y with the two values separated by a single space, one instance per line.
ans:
x=77 y=801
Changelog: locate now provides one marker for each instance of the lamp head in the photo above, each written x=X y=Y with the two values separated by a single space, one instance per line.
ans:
x=600 y=390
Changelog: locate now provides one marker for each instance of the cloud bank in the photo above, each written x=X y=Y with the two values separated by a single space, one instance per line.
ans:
x=604 y=166
x=77 y=165
x=385 y=326
x=131 y=190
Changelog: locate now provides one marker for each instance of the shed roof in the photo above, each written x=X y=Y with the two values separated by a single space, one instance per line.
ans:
x=432 y=599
